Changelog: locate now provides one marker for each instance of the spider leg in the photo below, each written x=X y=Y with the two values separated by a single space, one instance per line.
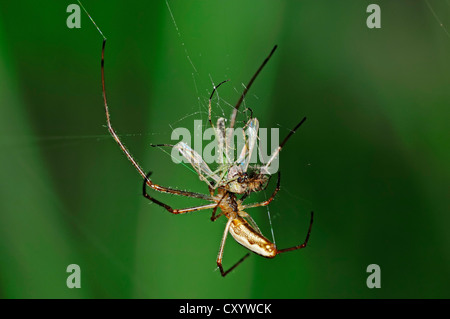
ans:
x=222 y=245
x=268 y=181
x=108 y=118
x=173 y=191
x=128 y=154
x=214 y=216
x=251 y=113
x=211 y=190
x=209 y=103
x=176 y=192
x=268 y=201
x=238 y=104
x=280 y=251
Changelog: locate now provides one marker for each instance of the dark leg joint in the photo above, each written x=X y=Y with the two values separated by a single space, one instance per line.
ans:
x=224 y=273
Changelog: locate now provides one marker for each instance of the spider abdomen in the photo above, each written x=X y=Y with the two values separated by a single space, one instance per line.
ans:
x=248 y=237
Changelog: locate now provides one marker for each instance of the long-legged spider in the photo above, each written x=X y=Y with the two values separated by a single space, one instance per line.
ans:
x=241 y=225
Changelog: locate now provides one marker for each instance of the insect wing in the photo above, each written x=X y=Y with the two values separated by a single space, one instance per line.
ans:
x=252 y=137
x=196 y=161
x=221 y=141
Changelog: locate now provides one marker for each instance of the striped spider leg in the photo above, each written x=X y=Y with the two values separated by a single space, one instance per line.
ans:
x=145 y=176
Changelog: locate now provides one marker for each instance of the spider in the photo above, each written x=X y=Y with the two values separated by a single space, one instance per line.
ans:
x=229 y=180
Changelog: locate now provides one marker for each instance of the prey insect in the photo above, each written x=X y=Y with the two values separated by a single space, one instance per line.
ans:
x=233 y=178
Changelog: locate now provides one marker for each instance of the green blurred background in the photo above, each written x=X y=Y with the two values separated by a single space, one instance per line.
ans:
x=372 y=160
